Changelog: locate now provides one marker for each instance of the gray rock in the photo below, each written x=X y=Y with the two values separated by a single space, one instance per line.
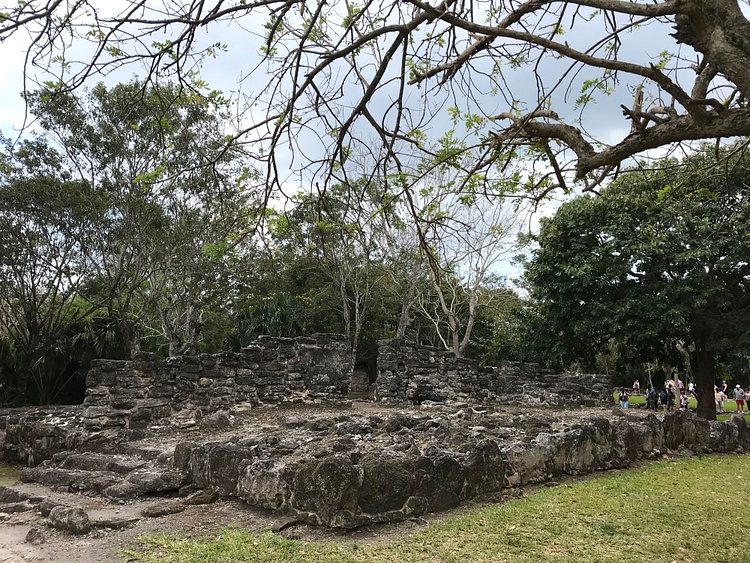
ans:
x=113 y=522
x=328 y=490
x=72 y=520
x=389 y=480
x=202 y=497
x=11 y=495
x=163 y=508
x=281 y=525
x=15 y=507
x=46 y=506
x=35 y=536
x=216 y=421
x=266 y=483
x=181 y=456
x=218 y=466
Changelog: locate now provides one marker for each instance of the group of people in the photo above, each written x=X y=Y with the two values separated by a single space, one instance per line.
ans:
x=668 y=399
x=741 y=397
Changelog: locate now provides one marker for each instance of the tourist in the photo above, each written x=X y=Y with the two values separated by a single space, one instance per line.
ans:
x=636 y=387
x=624 y=398
x=683 y=400
x=691 y=389
x=724 y=387
x=681 y=385
x=739 y=398
x=719 y=398
x=664 y=398
x=670 y=399
x=651 y=398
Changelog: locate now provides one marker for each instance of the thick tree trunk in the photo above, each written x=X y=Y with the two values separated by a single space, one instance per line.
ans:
x=704 y=370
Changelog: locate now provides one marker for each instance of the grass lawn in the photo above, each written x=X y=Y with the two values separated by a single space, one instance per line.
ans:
x=666 y=511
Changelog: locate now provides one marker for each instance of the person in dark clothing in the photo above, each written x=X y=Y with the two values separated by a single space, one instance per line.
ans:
x=651 y=398
x=664 y=398
x=670 y=399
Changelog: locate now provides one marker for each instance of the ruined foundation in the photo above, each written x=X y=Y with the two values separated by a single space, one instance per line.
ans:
x=271 y=425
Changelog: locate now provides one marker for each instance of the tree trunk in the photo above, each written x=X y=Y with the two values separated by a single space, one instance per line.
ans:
x=704 y=371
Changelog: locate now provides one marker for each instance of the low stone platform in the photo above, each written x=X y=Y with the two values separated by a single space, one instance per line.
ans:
x=354 y=464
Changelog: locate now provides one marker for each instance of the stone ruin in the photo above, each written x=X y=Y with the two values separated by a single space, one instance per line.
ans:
x=412 y=373
x=128 y=397
x=271 y=425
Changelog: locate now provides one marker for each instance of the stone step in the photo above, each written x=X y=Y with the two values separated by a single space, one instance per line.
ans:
x=69 y=480
x=119 y=464
x=114 y=476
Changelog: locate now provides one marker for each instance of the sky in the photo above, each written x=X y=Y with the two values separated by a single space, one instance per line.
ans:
x=603 y=118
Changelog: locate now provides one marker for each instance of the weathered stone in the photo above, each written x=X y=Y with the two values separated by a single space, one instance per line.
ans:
x=201 y=497
x=283 y=524
x=14 y=507
x=484 y=470
x=157 y=480
x=328 y=490
x=113 y=522
x=46 y=506
x=72 y=520
x=441 y=480
x=11 y=495
x=122 y=490
x=216 y=421
x=389 y=480
x=218 y=466
x=275 y=370
x=181 y=456
x=162 y=508
x=266 y=483
x=100 y=462
x=35 y=536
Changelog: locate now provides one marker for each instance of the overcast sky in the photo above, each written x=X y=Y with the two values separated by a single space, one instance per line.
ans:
x=603 y=118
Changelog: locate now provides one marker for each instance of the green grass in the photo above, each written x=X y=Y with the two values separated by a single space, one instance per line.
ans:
x=686 y=511
x=9 y=474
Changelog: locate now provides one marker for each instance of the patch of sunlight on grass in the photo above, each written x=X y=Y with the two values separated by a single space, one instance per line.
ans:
x=666 y=511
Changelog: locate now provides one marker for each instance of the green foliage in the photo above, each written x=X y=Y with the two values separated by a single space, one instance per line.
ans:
x=120 y=225
x=657 y=262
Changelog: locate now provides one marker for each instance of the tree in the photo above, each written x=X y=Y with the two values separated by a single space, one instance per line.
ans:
x=343 y=76
x=657 y=263
x=340 y=230
x=175 y=194
x=465 y=239
x=47 y=218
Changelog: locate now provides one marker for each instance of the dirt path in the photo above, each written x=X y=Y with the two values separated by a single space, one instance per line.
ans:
x=107 y=545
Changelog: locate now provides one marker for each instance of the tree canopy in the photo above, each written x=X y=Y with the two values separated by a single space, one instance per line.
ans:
x=116 y=237
x=657 y=263
x=518 y=78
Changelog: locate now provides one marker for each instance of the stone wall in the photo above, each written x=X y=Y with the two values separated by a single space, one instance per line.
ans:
x=408 y=465
x=28 y=436
x=145 y=392
x=409 y=372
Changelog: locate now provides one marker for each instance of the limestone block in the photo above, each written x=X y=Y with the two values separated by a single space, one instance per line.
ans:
x=72 y=520
x=266 y=483
x=328 y=489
